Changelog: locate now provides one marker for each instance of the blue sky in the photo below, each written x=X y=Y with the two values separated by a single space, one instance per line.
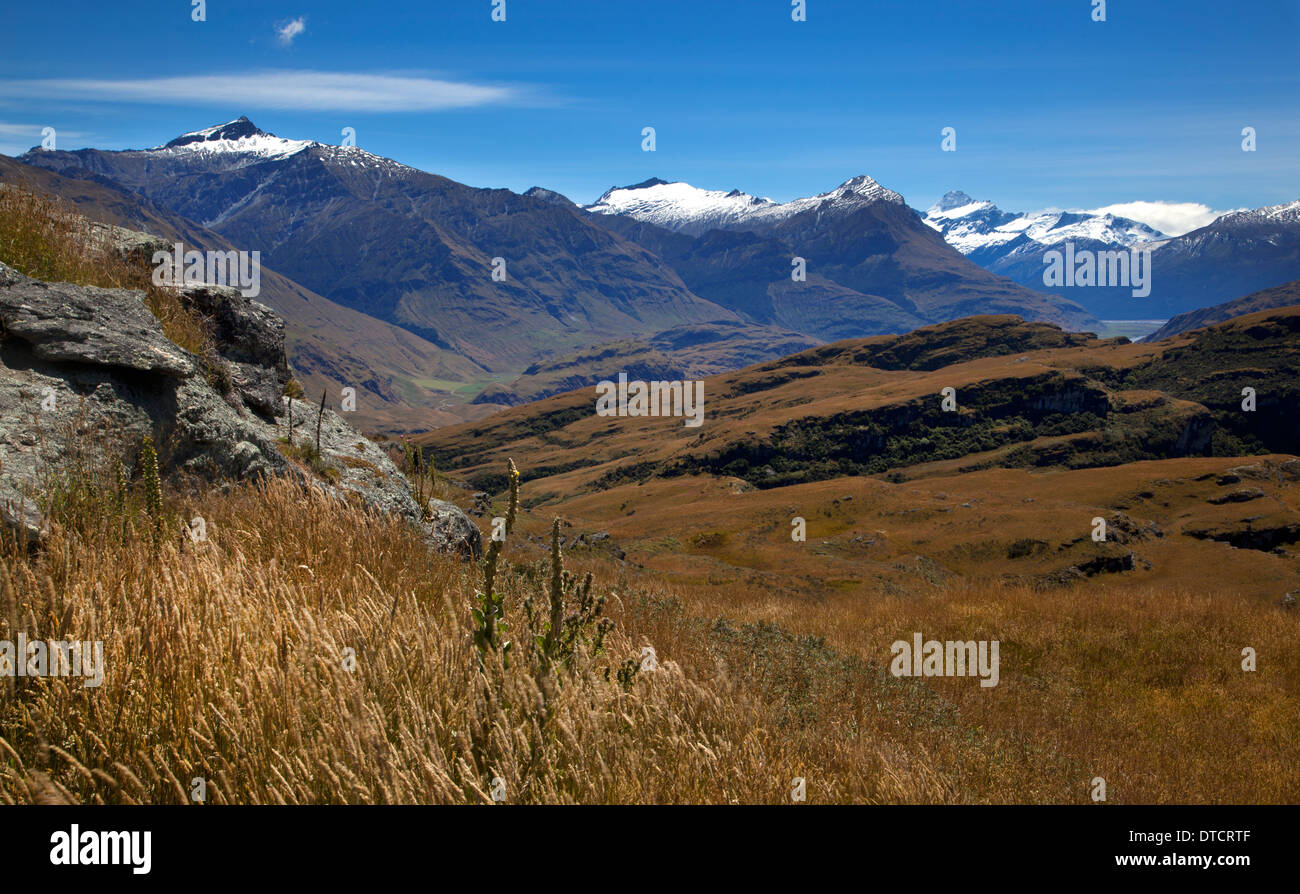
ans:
x=1051 y=109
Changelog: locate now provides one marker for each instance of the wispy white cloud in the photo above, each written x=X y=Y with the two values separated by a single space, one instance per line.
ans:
x=10 y=130
x=279 y=89
x=289 y=30
x=1171 y=218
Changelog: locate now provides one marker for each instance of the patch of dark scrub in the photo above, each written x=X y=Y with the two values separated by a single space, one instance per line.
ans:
x=496 y=482
x=1213 y=369
x=872 y=442
x=489 y=482
x=1106 y=564
x=1265 y=539
x=1237 y=496
x=1026 y=547
x=633 y=473
x=502 y=433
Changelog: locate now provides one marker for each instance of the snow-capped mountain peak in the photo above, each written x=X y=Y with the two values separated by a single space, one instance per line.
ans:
x=864 y=187
x=852 y=193
x=239 y=143
x=957 y=204
x=1287 y=212
x=240 y=128
x=981 y=228
x=951 y=200
x=689 y=209
x=239 y=136
x=678 y=206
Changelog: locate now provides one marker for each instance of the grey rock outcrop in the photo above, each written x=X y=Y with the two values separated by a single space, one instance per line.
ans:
x=250 y=338
x=68 y=324
x=131 y=244
x=85 y=369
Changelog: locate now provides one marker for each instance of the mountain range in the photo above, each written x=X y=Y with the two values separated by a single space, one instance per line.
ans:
x=441 y=299
x=330 y=345
x=1238 y=253
x=688 y=209
x=407 y=247
x=872 y=265
x=417 y=251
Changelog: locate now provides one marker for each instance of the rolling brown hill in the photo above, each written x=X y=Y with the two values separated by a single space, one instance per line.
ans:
x=1052 y=430
x=1028 y=395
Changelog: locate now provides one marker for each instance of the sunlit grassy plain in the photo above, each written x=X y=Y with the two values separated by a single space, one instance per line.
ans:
x=226 y=661
x=1136 y=678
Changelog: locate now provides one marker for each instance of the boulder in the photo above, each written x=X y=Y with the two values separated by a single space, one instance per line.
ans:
x=131 y=244
x=453 y=531
x=88 y=326
x=89 y=369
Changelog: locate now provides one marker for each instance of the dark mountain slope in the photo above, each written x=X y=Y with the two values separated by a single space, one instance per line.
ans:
x=408 y=247
x=329 y=345
x=1238 y=254
x=1267 y=299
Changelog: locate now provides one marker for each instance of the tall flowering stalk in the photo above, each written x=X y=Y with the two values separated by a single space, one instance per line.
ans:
x=152 y=487
x=489 y=613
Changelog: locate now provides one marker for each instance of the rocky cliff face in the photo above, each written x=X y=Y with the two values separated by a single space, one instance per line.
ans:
x=89 y=369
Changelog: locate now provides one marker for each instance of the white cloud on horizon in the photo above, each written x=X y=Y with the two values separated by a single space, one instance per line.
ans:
x=1170 y=218
x=15 y=139
x=278 y=89
x=287 y=32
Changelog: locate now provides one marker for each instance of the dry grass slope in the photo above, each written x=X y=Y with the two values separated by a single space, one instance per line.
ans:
x=227 y=660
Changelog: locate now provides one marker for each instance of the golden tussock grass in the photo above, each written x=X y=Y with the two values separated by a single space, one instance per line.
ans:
x=1136 y=677
x=227 y=660
x=1142 y=686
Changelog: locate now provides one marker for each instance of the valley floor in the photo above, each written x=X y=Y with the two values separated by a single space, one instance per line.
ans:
x=1122 y=659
